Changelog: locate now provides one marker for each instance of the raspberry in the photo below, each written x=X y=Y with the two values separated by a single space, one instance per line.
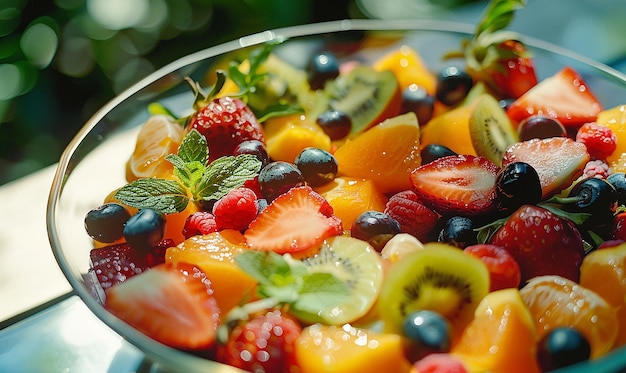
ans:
x=599 y=140
x=414 y=218
x=596 y=168
x=236 y=210
x=201 y=222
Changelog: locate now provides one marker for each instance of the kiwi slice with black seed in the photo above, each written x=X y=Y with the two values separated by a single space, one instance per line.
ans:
x=359 y=266
x=491 y=129
x=439 y=278
x=367 y=96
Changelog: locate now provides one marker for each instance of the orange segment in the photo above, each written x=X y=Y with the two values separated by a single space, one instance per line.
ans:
x=407 y=65
x=450 y=129
x=350 y=197
x=174 y=223
x=555 y=301
x=604 y=272
x=287 y=136
x=385 y=154
x=215 y=255
x=346 y=349
x=158 y=137
x=501 y=337
x=615 y=119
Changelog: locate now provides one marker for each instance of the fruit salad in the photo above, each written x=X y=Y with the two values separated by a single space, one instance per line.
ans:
x=375 y=217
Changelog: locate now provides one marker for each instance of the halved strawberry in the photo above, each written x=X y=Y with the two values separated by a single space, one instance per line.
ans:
x=564 y=96
x=457 y=184
x=558 y=161
x=172 y=304
x=294 y=222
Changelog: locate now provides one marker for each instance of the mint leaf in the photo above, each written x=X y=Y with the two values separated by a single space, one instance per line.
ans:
x=166 y=196
x=225 y=174
x=278 y=110
x=498 y=15
x=194 y=148
x=262 y=266
x=189 y=173
x=320 y=291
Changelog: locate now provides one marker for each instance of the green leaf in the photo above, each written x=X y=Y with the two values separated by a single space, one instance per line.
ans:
x=194 y=148
x=166 y=196
x=498 y=15
x=577 y=218
x=277 y=111
x=227 y=173
x=262 y=266
x=320 y=291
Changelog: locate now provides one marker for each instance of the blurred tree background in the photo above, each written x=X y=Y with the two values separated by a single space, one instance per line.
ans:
x=61 y=60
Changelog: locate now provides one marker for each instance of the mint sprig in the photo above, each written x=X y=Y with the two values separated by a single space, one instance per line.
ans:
x=289 y=282
x=204 y=182
x=497 y=16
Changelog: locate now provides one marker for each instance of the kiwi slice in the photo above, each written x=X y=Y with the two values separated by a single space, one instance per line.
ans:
x=491 y=130
x=355 y=263
x=366 y=95
x=439 y=278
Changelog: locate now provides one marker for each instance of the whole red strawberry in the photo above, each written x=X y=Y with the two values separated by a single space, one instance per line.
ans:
x=225 y=122
x=497 y=57
x=542 y=243
x=265 y=343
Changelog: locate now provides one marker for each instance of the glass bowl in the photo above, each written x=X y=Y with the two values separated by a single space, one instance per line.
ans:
x=94 y=162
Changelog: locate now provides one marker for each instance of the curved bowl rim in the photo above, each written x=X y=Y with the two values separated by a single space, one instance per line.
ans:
x=155 y=350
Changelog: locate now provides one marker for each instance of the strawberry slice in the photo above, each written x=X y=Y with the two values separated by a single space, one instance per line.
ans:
x=558 y=161
x=172 y=304
x=564 y=96
x=457 y=184
x=295 y=221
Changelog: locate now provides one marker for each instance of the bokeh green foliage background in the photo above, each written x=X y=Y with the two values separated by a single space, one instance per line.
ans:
x=61 y=60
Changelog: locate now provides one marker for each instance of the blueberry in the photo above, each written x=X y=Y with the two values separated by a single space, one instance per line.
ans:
x=432 y=152
x=428 y=332
x=416 y=99
x=562 y=347
x=144 y=229
x=253 y=147
x=594 y=196
x=318 y=166
x=336 y=124
x=458 y=231
x=453 y=85
x=322 y=68
x=106 y=223
x=375 y=227
x=278 y=177
x=517 y=184
x=618 y=180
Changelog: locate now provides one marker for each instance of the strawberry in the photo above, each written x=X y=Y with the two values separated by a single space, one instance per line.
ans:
x=541 y=242
x=265 y=343
x=599 y=140
x=172 y=304
x=558 y=161
x=225 y=122
x=457 y=184
x=115 y=264
x=414 y=218
x=497 y=57
x=295 y=221
x=564 y=96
